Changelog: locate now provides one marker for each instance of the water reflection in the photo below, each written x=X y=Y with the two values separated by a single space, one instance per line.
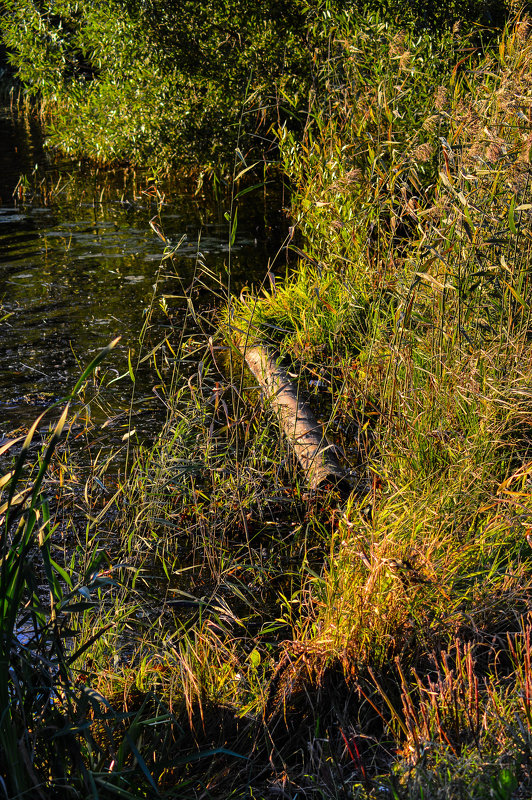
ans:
x=78 y=262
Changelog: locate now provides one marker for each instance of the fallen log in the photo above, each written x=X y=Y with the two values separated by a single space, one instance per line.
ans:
x=315 y=454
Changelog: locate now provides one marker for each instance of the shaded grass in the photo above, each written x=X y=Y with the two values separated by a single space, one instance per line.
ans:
x=412 y=300
x=395 y=654
x=283 y=644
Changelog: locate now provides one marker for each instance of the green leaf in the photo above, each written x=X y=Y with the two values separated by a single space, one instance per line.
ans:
x=77 y=607
x=511 y=217
x=92 y=366
x=130 y=367
x=234 y=227
x=88 y=644
x=249 y=189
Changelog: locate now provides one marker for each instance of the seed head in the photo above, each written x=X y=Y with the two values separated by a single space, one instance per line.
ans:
x=431 y=123
x=441 y=98
x=476 y=150
x=404 y=60
x=522 y=28
x=423 y=152
x=397 y=45
x=526 y=150
x=353 y=176
x=494 y=152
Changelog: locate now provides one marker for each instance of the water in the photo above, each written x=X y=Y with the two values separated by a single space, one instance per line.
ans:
x=78 y=260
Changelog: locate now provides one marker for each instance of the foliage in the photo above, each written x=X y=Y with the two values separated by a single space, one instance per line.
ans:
x=381 y=648
x=153 y=81
x=181 y=81
x=411 y=302
x=49 y=714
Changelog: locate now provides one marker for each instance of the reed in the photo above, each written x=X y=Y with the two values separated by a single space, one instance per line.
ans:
x=266 y=638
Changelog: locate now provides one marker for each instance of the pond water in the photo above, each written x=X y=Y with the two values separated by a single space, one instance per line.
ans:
x=78 y=260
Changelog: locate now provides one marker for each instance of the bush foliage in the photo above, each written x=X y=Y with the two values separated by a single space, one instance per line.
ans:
x=377 y=648
x=182 y=81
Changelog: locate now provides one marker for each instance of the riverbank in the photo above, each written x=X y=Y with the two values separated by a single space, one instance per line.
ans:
x=409 y=312
x=272 y=640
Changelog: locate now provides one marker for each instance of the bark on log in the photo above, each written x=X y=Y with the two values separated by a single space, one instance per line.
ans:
x=303 y=431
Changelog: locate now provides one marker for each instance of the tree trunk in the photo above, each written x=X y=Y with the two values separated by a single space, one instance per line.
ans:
x=303 y=431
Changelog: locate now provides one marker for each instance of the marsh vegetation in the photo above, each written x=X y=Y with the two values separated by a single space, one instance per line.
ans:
x=198 y=622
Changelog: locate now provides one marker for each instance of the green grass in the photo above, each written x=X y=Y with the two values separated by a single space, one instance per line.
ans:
x=267 y=639
x=412 y=300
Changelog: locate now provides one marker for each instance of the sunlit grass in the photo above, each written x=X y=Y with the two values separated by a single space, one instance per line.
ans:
x=318 y=646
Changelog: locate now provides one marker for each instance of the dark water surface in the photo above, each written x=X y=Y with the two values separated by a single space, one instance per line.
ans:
x=78 y=260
